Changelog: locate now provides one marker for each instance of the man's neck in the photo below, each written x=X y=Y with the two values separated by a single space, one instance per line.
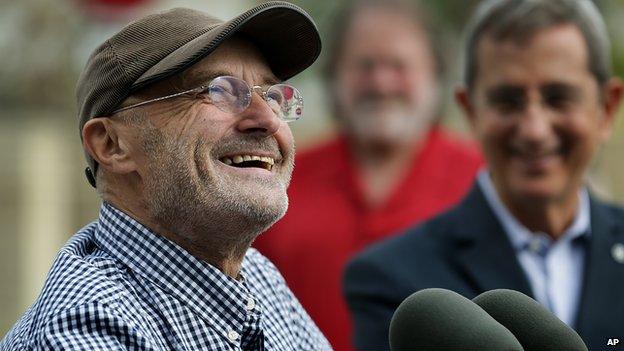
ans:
x=382 y=168
x=213 y=245
x=551 y=217
x=227 y=258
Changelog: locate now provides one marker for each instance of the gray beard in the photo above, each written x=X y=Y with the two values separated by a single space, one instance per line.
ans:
x=396 y=125
x=193 y=203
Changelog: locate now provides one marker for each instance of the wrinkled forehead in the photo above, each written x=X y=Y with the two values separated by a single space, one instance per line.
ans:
x=236 y=57
x=384 y=32
x=556 y=52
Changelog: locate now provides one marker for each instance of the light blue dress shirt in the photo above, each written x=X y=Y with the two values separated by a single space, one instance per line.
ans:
x=554 y=268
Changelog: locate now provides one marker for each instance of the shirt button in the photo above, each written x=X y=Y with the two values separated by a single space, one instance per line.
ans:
x=232 y=335
x=535 y=245
x=251 y=303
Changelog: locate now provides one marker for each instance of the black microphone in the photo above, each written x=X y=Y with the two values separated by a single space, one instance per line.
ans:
x=533 y=325
x=439 y=319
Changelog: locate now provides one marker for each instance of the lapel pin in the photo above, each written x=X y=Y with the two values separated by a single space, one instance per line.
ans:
x=617 y=251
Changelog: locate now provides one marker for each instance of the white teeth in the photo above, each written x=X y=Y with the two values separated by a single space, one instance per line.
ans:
x=242 y=158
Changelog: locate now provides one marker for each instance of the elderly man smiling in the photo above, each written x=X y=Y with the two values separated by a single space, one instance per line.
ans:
x=184 y=122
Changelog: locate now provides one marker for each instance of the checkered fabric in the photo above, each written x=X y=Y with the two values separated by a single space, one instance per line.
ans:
x=117 y=286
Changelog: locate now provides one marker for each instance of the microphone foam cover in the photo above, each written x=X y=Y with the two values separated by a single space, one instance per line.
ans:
x=534 y=326
x=439 y=319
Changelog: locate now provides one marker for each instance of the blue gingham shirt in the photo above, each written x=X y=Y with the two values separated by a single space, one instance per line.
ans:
x=118 y=286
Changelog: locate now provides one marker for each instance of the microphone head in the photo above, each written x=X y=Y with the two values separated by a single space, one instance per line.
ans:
x=534 y=326
x=439 y=319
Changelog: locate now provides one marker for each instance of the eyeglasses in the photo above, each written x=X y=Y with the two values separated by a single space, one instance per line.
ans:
x=233 y=95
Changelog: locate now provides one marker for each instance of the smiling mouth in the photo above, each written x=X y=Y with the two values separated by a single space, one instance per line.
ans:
x=249 y=161
x=537 y=157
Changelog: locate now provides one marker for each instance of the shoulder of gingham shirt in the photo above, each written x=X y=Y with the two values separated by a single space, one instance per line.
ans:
x=118 y=286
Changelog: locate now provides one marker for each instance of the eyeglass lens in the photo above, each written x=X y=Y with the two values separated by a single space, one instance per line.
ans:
x=231 y=94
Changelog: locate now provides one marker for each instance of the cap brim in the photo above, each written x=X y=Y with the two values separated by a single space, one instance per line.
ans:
x=284 y=34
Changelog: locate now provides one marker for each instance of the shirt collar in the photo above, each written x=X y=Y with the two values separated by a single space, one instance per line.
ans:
x=519 y=235
x=198 y=285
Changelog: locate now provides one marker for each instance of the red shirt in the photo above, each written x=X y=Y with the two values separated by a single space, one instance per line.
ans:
x=328 y=221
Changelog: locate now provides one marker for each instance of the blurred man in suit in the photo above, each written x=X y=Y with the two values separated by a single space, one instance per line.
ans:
x=540 y=97
x=389 y=167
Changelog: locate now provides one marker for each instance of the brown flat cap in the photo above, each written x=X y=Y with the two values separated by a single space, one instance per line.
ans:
x=160 y=45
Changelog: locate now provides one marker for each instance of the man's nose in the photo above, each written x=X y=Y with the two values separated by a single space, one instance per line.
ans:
x=259 y=118
x=383 y=79
x=536 y=124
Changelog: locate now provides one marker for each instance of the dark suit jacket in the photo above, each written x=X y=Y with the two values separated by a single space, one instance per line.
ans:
x=466 y=250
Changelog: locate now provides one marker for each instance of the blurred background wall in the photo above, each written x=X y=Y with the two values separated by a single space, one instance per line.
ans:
x=44 y=197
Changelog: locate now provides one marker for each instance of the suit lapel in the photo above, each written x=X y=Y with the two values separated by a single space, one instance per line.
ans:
x=484 y=253
x=486 y=258
x=601 y=311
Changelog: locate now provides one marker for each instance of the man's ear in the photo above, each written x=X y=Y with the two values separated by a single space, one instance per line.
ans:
x=612 y=97
x=464 y=101
x=102 y=139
